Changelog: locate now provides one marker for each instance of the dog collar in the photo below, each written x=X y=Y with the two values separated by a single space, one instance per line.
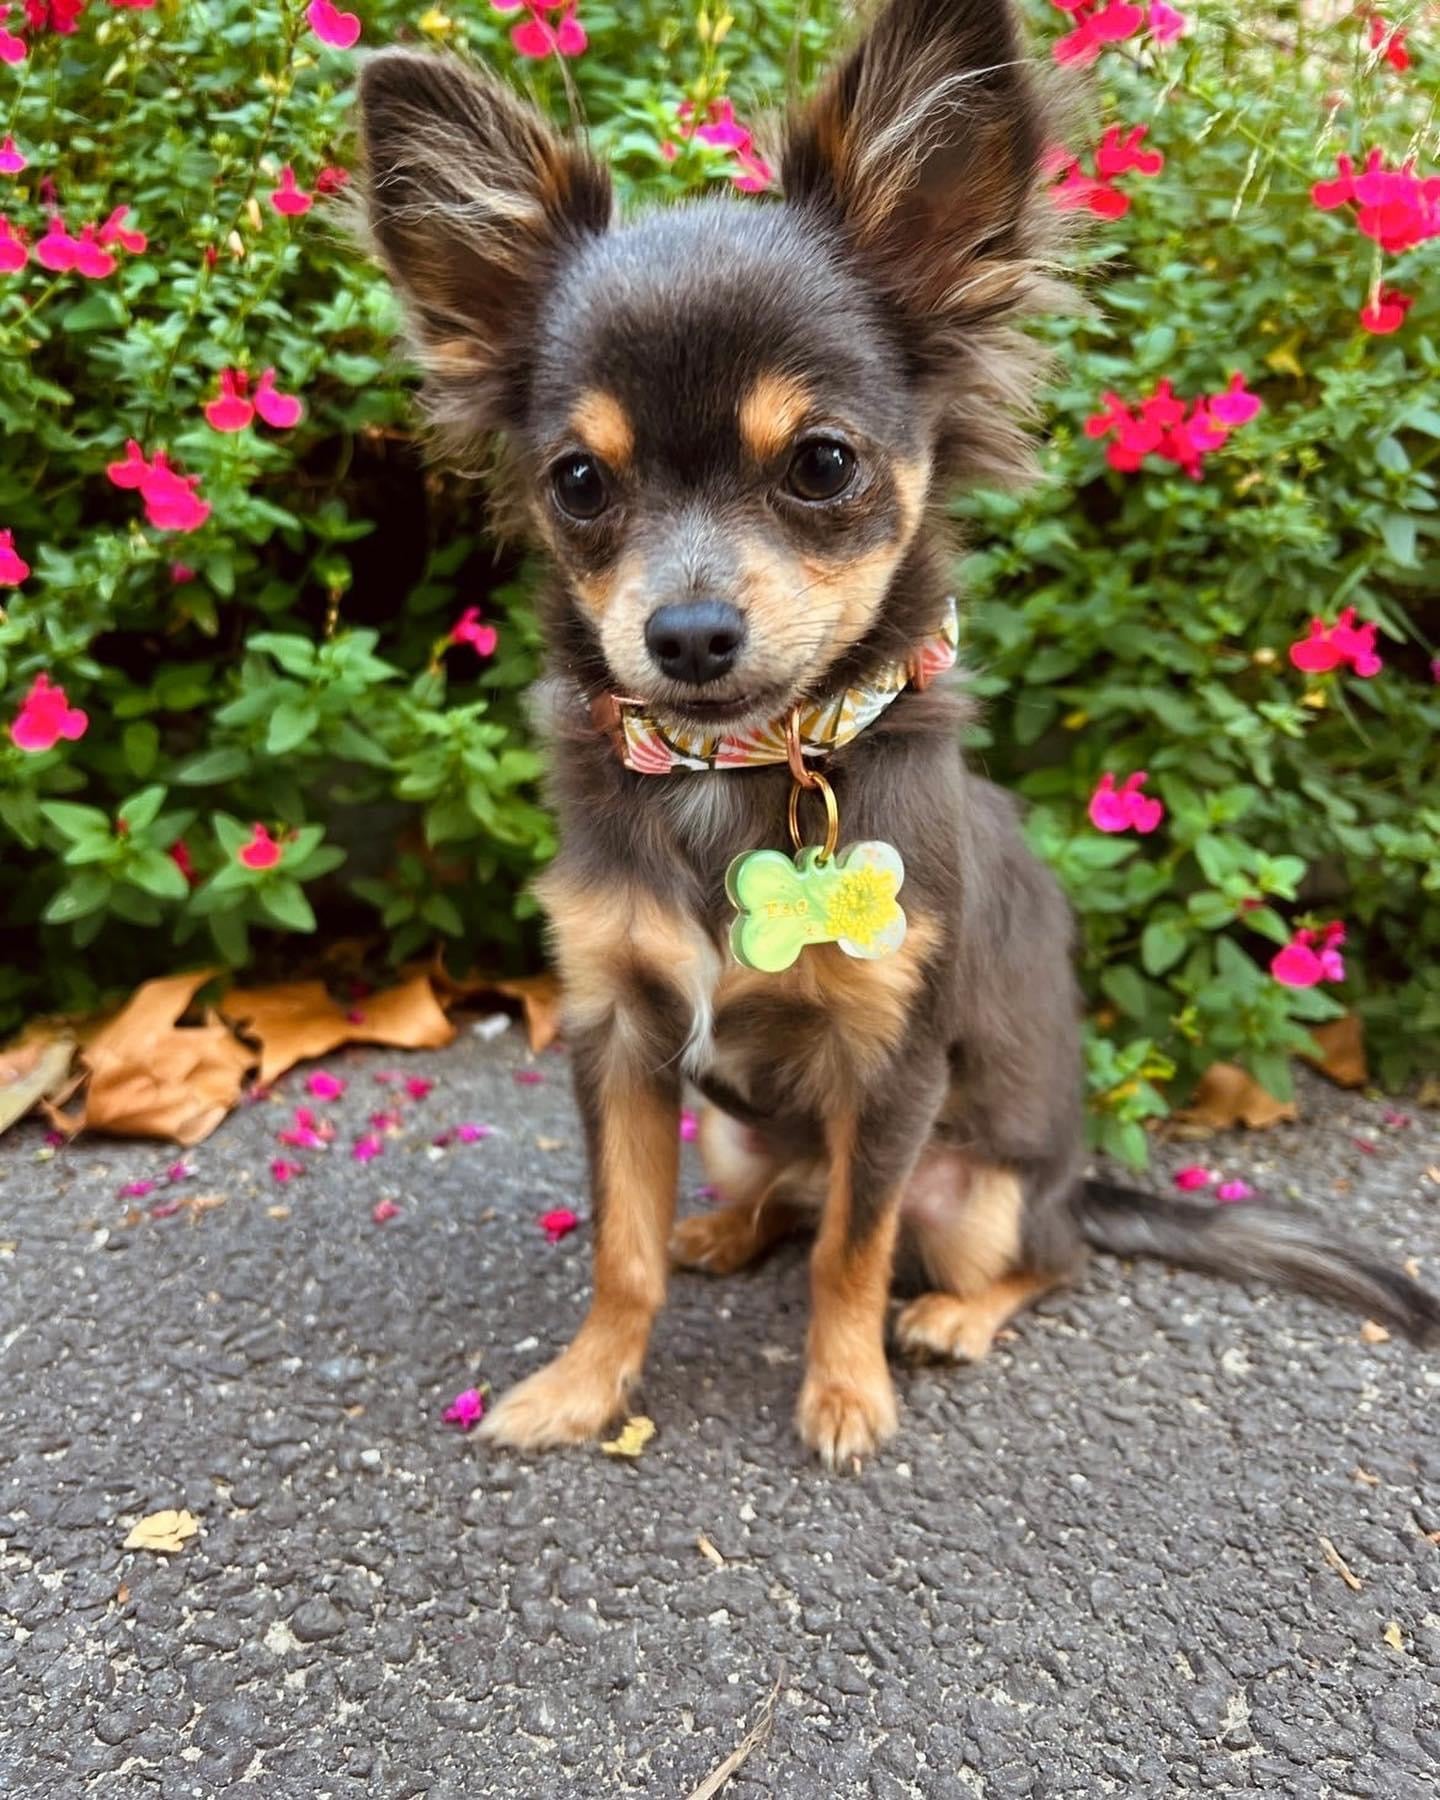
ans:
x=649 y=747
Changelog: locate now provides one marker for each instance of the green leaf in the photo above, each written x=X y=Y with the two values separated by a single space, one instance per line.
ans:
x=284 y=900
x=77 y=823
x=444 y=915
x=1163 y=944
x=143 y=809
x=140 y=746
x=79 y=897
x=291 y=723
x=158 y=874
x=1126 y=988
x=212 y=767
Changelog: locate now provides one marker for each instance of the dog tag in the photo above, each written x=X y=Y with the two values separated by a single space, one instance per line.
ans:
x=785 y=903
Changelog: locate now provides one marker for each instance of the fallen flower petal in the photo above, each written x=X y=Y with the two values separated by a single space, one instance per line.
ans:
x=473 y=1134
x=322 y=1085
x=384 y=1211
x=689 y=1127
x=466 y=1410
x=1229 y=1191
x=1189 y=1179
x=137 y=1190
x=529 y=1077
x=367 y=1148
x=418 y=1086
x=179 y=1171
x=558 y=1224
x=285 y=1171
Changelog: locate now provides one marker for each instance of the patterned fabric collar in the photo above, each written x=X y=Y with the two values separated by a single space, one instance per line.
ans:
x=650 y=748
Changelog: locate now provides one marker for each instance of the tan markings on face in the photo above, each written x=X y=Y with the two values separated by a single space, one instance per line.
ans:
x=772 y=412
x=602 y=424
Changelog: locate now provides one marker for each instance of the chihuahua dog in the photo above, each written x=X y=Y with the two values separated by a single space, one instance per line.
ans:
x=732 y=426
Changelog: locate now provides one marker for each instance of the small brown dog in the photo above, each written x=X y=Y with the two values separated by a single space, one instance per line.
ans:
x=733 y=426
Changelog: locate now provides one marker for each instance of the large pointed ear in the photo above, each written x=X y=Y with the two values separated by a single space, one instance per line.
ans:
x=924 y=150
x=473 y=202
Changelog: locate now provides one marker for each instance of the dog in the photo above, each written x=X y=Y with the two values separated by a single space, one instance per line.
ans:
x=732 y=426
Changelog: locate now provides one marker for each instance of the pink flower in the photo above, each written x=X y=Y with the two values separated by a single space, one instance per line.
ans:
x=137 y=1190
x=367 y=1148
x=338 y=29
x=1236 y=406
x=723 y=131
x=285 y=1171
x=1120 y=153
x=322 y=1085
x=1311 y=957
x=14 y=247
x=330 y=180
x=12 y=48
x=1396 y=207
x=289 y=198
x=1385 y=310
x=1078 y=191
x=56 y=251
x=277 y=409
x=558 y=1224
x=384 y=1211
x=11 y=160
x=689 y=1127
x=1165 y=23
x=465 y=1410
x=13 y=567
x=230 y=411
x=172 y=501
x=417 y=1087
x=1234 y=1190
x=113 y=231
x=467 y=629
x=1096 y=26
x=755 y=175
x=308 y=1132
x=1435 y=669
x=262 y=852
x=1126 y=808
x=1327 y=646
x=46 y=716
x=131 y=472
x=180 y=573
x=1188 y=1180
x=538 y=38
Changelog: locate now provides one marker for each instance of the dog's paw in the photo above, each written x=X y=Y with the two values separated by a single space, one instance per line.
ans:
x=717 y=1243
x=940 y=1327
x=566 y=1402
x=846 y=1421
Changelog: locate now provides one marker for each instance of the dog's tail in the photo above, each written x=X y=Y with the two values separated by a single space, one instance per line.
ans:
x=1256 y=1242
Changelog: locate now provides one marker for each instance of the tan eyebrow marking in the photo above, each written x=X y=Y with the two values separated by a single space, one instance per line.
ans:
x=772 y=412
x=603 y=425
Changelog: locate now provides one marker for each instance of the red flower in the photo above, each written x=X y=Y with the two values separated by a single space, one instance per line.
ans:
x=1390 y=42
x=330 y=180
x=113 y=231
x=289 y=198
x=172 y=501
x=14 y=247
x=1385 y=310
x=1096 y=26
x=12 y=161
x=12 y=48
x=1327 y=646
x=46 y=716
x=230 y=411
x=13 y=567
x=262 y=852
x=179 y=854
x=467 y=629
x=1119 y=153
x=1126 y=808
x=1167 y=426
x=1396 y=207
x=338 y=29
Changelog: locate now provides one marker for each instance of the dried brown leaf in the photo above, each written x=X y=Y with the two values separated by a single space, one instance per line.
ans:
x=1340 y=1051
x=1227 y=1096
x=708 y=1551
x=295 y=1021
x=635 y=1434
x=35 y=1069
x=538 y=997
x=152 y=1077
x=167 y=1533
x=1394 y=1637
x=1366 y=1478
x=757 y=1735
x=1373 y=1333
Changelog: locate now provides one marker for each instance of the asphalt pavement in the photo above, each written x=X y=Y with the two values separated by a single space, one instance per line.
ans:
x=1173 y=1537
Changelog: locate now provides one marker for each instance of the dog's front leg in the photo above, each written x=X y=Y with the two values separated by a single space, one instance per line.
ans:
x=847 y=1402
x=634 y=978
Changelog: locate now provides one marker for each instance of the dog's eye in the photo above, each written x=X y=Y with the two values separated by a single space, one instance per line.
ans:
x=579 y=487
x=821 y=470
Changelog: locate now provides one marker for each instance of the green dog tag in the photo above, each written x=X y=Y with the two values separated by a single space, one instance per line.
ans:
x=785 y=904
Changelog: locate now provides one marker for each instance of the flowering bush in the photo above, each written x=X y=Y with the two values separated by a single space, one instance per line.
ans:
x=256 y=664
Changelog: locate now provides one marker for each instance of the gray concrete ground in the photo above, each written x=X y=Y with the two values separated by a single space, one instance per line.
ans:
x=1092 y=1566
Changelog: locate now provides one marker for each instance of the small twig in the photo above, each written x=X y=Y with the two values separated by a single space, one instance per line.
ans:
x=1338 y=1563
x=757 y=1735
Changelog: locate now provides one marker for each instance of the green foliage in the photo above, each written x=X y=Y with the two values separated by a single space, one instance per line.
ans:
x=299 y=669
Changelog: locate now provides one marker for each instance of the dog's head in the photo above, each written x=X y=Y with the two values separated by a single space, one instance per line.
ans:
x=727 y=420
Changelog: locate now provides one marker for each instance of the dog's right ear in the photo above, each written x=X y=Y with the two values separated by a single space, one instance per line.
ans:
x=472 y=200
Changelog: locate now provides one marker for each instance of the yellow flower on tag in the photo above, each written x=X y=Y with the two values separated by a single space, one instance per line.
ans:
x=863 y=903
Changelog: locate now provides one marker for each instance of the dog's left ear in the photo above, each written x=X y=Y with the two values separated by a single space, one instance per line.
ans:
x=923 y=149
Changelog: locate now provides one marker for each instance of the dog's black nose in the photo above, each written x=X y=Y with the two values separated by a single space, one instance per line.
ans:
x=696 y=642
